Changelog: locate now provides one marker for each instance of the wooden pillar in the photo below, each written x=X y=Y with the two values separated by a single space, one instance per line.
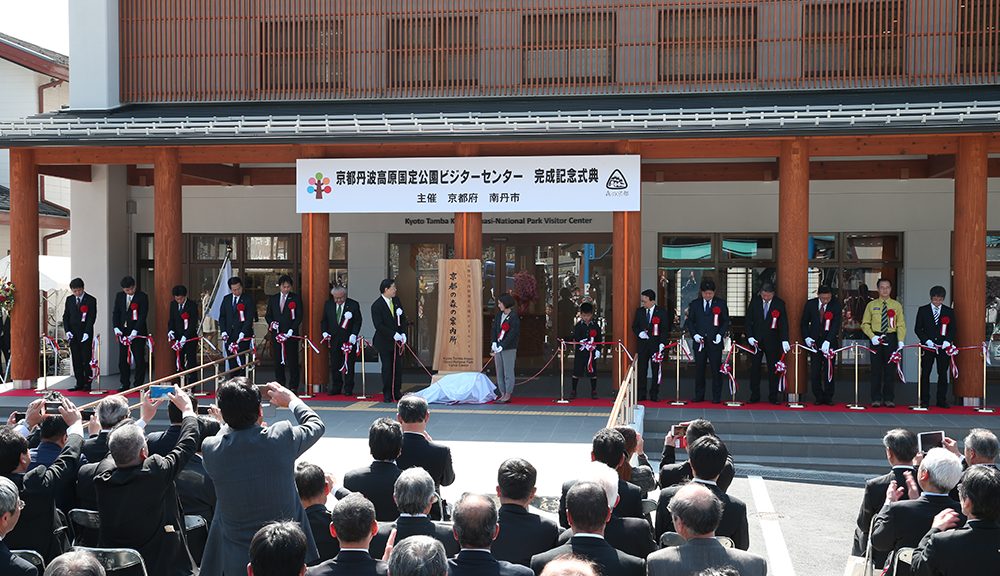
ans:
x=168 y=245
x=315 y=292
x=24 y=267
x=469 y=235
x=793 y=240
x=625 y=286
x=969 y=259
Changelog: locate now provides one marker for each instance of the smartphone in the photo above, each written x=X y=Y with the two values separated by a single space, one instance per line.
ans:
x=86 y=415
x=928 y=440
x=18 y=416
x=679 y=432
x=262 y=390
x=204 y=410
x=157 y=392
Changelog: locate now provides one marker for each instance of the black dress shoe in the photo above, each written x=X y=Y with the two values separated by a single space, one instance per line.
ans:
x=716 y=401
x=702 y=399
x=753 y=400
x=654 y=398
x=572 y=394
x=943 y=404
x=593 y=395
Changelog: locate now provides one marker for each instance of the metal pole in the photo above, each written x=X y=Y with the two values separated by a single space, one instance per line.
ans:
x=562 y=374
x=45 y=369
x=797 y=403
x=984 y=409
x=920 y=380
x=362 y=345
x=857 y=405
x=305 y=353
x=733 y=402
x=201 y=373
x=98 y=391
x=677 y=375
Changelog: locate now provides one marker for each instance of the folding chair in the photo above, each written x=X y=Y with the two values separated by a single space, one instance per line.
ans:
x=31 y=556
x=86 y=526
x=118 y=561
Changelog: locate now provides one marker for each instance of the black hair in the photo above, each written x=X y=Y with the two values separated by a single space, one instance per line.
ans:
x=285 y=279
x=352 y=517
x=53 y=428
x=412 y=409
x=981 y=485
x=179 y=290
x=697 y=428
x=649 y=294
x=234 y=281
x=385 y=439
x=586 y=308
x=12 y=446
x=239 y=402
x=385 y=285
x=708 y=457
x=174 y=413
x=608 y=447
x=310 y=480
x=76 y=283
x=587 y=505
x=902 y=443
x=881 y=280
x=767 y=287
x=516 y=478
x=278 y=549
x=507 y=300
x=938 y=291
x=824 y=289
x=707 y=284
x=128 y=282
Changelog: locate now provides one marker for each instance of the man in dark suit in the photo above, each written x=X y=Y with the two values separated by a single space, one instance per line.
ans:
x=110 y=411
x=377 y=481
x=608 y=447
x=901 y=524
x=420 y=450
x=54 y=435
x=900 y=450
x=949 y=549
x=696 y=512
x=129 y=321
x=707 y=323
x=236 y=317
x=10 y=512
x=820 y=328
x=143 y=482
x=588 y=510
x=524 y=533
x=707 y=457
x=767 y=332
x=284 y=319
x=651 y=324
x=79 y=314
x=182 y=326
x=632 y=536
x=278 y=549
x=414 y=495
x=935 y=329
x=314 y=488
x=341 y=325
x=38 y=523
x=673 y=472
x=475 y=529
x=353 y=522
x=390 y=338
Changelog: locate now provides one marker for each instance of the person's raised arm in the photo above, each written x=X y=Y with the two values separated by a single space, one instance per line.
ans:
x=310 y=427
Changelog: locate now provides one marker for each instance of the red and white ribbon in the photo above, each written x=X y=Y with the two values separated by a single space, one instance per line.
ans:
x=399 y=316
x=658 y=360
x=891 y=314
x=656 y=325
x=280 y=339
x=897 y=359
x=503 y=331
x=945 y=320
x=83 y=313
x=347 y=318
x=241 y=309
x=774 y=319
x=291 y=308
x=780 y=369
x=827 y=318
x=345 y=349
x=727 y=369
x=185 y=317
x=716 y=311
x=177 y=348
x=95 y=360
x=51 y=342
x=135 y=311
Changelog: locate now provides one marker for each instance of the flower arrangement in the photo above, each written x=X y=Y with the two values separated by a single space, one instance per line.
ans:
x=6 y=295
x=525 y=290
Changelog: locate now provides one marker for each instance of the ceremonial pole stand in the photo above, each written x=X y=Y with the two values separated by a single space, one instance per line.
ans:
x=733 y=402
x=562 y=373
x=677 y=375
x=98 y=392
x=857 y=405
x=305 y=353
x=984 y=409
x=201 y=373
x=45 y=368
x=150 y=359
x=794 y=401
x=362 y=346
x=920 y=374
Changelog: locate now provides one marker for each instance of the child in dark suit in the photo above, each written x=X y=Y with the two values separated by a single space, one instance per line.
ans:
x=587 y=331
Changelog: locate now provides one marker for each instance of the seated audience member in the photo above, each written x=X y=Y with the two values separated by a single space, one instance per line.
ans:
x=53 y=436
x=110 y=411
x=376 y=481
x=588 y=510
x=901 y=524
x=950 y=549
x=75 y=563
x=419 y=449
x=475 y=529
x=673 y=472
x=696 y=512
x=707 y=457
x=140 y=482
x=278 y=549
x=641 y=475
x=524 y=533
x=900 y=450
x=418 y=556
x=314 y=489
x=608 y=447
x=38 y=522
x=629 y=535
x=569 y=565
x=194 y=486
x=10 y=511
x=354 y=525
x=414 y=496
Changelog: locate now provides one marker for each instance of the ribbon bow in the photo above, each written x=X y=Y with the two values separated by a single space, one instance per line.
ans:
x=897 y=359
x=780 y=369
x=345 y=348
x=952 y=351
x=658 y=359
x=727 y=369
x=95 y=361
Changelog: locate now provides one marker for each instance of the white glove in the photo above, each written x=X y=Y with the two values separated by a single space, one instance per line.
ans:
x=698 y=338
x=899 y=345
x=810 y=342
x=353 y=339
x=240 y=337
x=662 y=346
x=397 y=337
x=274 y=326
x=597 y=353
x=718 y=338
x=84 y=338
x=643 y=335
x=929 y=343
x=118 y=333
x=69 y=335
x=752 y=341
x=946 y=344
x=493 y=347
x=499 y=349
x=289 y=333
x=225 y=336
x=183 y=340
x=326 y=335
x=786 y=347
x=133 y=334
x=825 y=347
x=876 y=340
x=403 y=340
x=170 y=335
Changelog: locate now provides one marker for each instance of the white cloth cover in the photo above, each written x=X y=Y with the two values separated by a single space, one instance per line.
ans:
x=460 y=388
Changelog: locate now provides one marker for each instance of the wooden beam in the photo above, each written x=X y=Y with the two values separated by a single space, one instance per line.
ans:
x=95 y=155
x=904 y=145
x=793 y=239
x=710 y=148
x=214 y=173
x=80 y=173
x=32 y=61
x=940 y=166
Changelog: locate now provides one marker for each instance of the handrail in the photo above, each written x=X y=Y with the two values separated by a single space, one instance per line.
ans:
x=622 y=412
x=169 y=379
x=200 y=382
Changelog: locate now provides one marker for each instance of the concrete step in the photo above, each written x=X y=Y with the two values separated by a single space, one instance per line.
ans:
x=773 y=445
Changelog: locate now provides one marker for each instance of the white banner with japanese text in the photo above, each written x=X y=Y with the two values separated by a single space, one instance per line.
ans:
x=469 y=184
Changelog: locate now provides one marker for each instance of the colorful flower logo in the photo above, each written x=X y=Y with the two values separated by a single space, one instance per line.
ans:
x=319 y=185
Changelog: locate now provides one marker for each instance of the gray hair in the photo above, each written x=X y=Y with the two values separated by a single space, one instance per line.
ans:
x=125 y=443
x=606 y=478
x=8 y=496
x=413 y=491
x=476 y=521
x=75 y=563
x=943 y=468
x=111 y=411
x=338 y=290
x=418 y=556
x=570 y=565
x=697 y=507
x=984 y=443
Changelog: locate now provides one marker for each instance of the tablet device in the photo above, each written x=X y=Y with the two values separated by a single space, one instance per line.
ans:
x=928 y=440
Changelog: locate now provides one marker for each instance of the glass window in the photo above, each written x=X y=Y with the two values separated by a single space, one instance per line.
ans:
x=209 y=247
x=268 y=247
x=686 y=248
x=145 y=247
x=823 y=247
x=677 y=287
x=338 y=248
x=992 y=248
x=748 y=248
x=872 y=247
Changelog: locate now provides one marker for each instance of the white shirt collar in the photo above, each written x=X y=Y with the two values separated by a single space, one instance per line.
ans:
x=487 y=550
x=588 y=535
x=365 y=550
x=706 y=482
x=402 y=515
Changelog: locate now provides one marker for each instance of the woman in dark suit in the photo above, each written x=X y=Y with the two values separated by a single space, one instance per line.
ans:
x=506 y=331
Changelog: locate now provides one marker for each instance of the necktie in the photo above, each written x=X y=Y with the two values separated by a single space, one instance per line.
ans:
x=128 y=301
x=78 y=301
x=236 y=300
x=937 y=313
x=282 y=307
x=706 y=306
x=339 y=312
x=649 y=316
x=885 y=316
x=392 y=309
x=822 y=311
x=767 y=304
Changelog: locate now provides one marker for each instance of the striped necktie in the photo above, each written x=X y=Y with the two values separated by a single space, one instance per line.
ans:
x=885 y=317
x=937 y=313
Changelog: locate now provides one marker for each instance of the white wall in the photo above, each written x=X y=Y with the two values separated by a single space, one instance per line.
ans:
x=93 y=42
